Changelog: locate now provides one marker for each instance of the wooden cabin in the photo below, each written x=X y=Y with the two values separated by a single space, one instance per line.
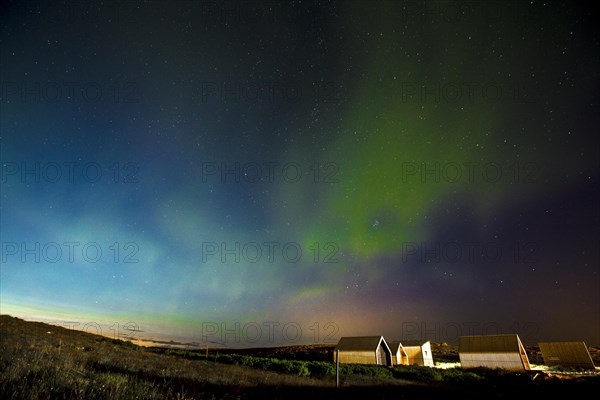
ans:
x=363 y=350
x=493 y=351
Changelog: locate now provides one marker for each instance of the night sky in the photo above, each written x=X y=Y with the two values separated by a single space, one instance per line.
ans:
x=255 y=173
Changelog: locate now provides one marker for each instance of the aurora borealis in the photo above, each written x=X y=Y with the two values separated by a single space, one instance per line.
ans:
x=403 y=168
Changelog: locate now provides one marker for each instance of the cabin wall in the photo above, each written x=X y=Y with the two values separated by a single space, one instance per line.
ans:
x=510 y=361
x=427 y=355
x=413 y=355
x=356 y=357
x=384 y=357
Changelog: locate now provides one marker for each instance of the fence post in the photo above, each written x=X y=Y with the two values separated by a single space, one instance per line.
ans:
x=337 y=368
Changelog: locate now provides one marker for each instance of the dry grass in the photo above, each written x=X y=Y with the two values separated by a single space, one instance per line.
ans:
x=39 y=361
x=42 y=361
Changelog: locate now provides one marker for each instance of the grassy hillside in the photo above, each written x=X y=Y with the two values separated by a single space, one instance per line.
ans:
x=40 y=361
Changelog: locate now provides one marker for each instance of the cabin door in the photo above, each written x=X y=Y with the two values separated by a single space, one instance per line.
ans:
x=383 y=358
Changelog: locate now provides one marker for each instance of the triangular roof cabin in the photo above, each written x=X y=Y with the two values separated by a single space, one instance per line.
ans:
x=566 y=354
x=493 y=351
x=363 y=350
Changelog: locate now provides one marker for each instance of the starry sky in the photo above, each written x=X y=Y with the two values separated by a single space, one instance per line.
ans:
x=256 y=173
